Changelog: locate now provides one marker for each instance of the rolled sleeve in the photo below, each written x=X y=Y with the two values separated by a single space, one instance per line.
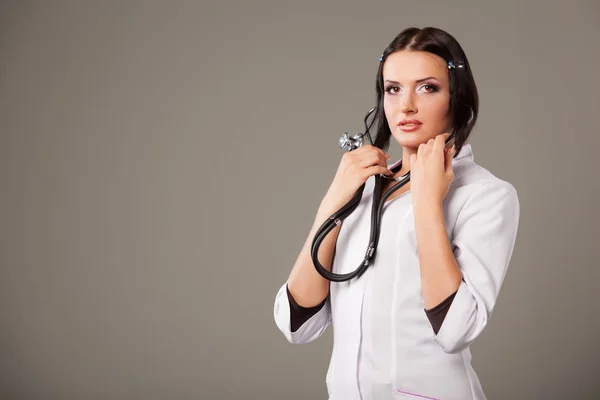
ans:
x=483 y=241
x=310 y=330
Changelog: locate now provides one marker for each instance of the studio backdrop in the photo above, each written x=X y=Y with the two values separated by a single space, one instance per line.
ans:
x=162 y=162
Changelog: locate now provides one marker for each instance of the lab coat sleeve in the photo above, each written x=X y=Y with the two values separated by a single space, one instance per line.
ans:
x=310 y=330
x=483 y=241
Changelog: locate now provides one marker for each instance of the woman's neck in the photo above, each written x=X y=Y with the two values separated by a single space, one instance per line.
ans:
x=406 y=153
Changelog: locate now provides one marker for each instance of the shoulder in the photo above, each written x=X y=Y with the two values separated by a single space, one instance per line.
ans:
x=479 y=190
x=472 y=175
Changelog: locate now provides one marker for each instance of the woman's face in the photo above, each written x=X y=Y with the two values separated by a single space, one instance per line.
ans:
x=416 y=88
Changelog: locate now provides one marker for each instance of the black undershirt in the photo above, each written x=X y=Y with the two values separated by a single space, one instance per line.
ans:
x=299 y=314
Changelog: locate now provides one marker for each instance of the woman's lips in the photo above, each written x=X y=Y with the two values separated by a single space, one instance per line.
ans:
x=409 y=127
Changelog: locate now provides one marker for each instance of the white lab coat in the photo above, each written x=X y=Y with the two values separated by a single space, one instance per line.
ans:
x=383 y=344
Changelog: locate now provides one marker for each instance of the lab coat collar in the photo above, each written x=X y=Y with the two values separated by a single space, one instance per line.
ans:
x=466 y=152
x=463 y=161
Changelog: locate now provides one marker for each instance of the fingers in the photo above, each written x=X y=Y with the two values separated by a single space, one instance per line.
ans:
x=433 y=145
x=376 y=169
x=371 y=155
x=371 y=161
x=448 y=154
x=422 y=149
x=438 y=144
x=413 y=161
x=371 y=148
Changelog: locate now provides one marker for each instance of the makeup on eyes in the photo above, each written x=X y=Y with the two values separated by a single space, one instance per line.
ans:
x=433 y=82
x=432 y=87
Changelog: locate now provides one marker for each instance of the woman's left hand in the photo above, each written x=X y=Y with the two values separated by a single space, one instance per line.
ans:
x=431 y=172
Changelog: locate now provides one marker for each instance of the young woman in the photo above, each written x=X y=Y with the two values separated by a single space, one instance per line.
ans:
x=403 y=329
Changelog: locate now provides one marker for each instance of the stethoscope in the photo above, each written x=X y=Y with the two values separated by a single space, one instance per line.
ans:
x=352 y=143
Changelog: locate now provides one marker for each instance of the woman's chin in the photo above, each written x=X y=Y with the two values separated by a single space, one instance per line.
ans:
x=411 y=139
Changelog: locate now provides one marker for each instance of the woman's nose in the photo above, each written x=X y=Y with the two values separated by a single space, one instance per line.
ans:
x=408 y=105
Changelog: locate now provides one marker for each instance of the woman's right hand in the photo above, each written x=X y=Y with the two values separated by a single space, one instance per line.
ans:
x=355 y=168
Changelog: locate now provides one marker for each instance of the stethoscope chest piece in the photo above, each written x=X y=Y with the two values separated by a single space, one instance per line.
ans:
x=350 y=143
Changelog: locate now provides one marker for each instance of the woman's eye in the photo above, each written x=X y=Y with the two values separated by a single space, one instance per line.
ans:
x=426 y=88
x=430 y=88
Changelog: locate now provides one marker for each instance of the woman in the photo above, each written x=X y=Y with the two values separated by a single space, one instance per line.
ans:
x=404 y=328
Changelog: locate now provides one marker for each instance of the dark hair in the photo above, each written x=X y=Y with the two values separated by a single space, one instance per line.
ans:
x=464 y=100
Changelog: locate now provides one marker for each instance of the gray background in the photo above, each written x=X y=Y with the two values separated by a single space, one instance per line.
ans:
x=161 y=164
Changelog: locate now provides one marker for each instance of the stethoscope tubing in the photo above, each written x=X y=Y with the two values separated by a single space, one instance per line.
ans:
x=337 y=218
x=376 y=213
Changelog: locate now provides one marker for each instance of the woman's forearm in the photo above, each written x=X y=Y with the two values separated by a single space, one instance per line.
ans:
x=307 y=286
x=440 y=273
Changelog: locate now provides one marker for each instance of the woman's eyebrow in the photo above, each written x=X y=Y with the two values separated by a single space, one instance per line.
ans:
x=417 y=81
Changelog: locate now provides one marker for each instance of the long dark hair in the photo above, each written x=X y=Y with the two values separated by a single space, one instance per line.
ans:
x=464 y=100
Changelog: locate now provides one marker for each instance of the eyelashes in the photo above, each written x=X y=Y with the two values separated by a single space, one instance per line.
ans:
x=431 y=88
